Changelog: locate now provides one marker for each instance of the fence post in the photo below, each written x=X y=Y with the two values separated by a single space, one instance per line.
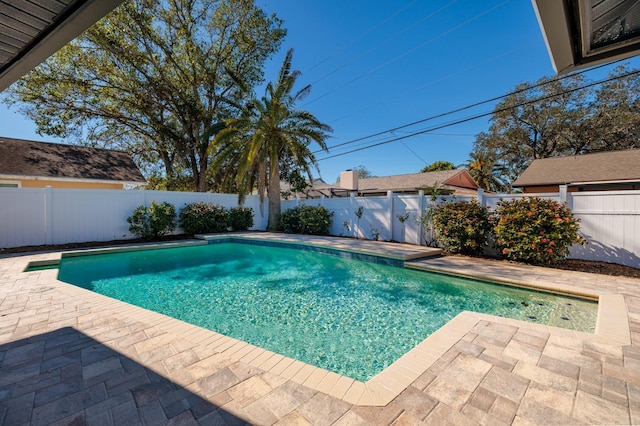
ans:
x=390 y=200
x=562 y=192
x=352 y=201
x=481 y=198
x=420 y=212
x=48 y=216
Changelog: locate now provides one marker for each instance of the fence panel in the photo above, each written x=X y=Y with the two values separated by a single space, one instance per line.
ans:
x=36 y=216
x=610 y=221
x=22 y=217
x=409 y=231
x=491 y=200
x=80 y=215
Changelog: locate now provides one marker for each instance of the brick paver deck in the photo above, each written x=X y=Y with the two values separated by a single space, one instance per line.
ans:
x=69 y=356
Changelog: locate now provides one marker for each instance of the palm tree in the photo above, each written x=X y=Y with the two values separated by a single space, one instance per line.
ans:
x=270 y=132
x=485 y=171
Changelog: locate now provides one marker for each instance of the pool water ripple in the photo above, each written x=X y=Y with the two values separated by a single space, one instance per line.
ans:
x=351 y=317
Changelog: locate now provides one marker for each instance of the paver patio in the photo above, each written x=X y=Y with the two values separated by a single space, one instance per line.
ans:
x=69 y=356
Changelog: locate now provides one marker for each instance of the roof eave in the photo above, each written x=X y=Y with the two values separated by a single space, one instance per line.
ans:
x=69 y=179
x=56 y=36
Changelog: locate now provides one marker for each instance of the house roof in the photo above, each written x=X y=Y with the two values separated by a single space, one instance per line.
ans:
x=409 y=181
x=22 y=158
x=612 y=166
x=33 y=30
x=449 y=179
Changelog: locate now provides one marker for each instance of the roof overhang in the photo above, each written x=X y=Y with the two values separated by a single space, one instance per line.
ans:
x=30 y=32
x=606 y=182
x=70 y=179
x=584 y=33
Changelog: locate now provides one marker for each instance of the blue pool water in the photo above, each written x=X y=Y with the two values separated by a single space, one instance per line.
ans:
x=348 y=316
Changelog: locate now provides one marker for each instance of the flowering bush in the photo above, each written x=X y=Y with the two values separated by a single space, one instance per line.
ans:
x=154 y=221
x=462 y=226
x=311 y=220
x=240 y=218
x=203 y=218
x=535 y=230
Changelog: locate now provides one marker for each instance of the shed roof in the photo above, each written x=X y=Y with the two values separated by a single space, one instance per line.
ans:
x=51 y=160
x=597 y=167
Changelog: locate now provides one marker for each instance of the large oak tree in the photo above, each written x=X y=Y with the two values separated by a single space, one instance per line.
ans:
x=563 y=116
x=151 y=78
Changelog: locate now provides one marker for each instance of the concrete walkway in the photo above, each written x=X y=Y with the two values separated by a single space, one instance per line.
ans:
x=69 y=356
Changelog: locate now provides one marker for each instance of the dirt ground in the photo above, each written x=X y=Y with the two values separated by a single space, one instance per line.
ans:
x=569 y=264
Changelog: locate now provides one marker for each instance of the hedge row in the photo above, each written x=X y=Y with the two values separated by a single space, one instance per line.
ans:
x=533 y=229
x=195 y=218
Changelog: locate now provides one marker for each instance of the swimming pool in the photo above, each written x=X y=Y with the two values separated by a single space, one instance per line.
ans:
x=351 y=317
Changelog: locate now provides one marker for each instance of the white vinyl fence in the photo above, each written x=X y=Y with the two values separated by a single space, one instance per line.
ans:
x=36 y=216
x=610 y=221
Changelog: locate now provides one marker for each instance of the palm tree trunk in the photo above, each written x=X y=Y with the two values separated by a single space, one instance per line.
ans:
x=273 y=192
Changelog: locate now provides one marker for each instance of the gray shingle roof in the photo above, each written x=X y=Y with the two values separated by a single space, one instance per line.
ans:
x=597 y=167
x=399 y=183
x=29 y=158
x=408 y=181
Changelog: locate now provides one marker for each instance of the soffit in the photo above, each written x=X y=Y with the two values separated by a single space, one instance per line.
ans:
x=32 y=30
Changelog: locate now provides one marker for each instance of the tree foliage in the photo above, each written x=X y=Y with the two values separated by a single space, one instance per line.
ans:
x=559 y=116
x=487 y=173
x=270 y=134
x=151 y=78
x=438 y=166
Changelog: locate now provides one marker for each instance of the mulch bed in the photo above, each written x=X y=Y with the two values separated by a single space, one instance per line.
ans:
x=569 y=264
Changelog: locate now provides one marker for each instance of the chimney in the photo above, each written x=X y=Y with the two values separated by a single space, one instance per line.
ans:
x=349 y=180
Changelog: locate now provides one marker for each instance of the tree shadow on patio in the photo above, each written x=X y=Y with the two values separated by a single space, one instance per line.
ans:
x=66 y=377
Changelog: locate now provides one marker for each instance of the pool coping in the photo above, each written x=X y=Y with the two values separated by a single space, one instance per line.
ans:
x=612 y=327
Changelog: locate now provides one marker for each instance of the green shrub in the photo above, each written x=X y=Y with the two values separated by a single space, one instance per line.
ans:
x=303 y=219
x=240 y=218
x=535 y=230
x=462 y=226
x=154 y=221
x=203 y=218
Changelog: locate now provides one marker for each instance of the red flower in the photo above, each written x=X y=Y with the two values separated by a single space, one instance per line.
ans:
x=529 y=213
x=544 y=240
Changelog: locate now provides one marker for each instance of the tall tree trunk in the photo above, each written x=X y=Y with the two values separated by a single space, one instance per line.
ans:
x=273 y=192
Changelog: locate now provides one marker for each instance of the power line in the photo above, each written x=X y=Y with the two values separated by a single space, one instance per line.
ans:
x=464 y=108
x=402 y=55
x=377 y=46
x=475 y=117
x=445 y=77
x=361 y=36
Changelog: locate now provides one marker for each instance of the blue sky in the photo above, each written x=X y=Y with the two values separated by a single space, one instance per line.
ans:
x=376 y=65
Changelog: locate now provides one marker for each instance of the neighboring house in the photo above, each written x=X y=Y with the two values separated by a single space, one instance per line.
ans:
x=604 y=171
x=30 y=164
x=457 y=182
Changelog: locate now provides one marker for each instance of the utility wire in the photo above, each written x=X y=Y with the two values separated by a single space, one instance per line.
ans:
x=443 y=78
x=377 y=46
x=408 y=52
x=486 y=114
x=464 y=108
x=361 y=36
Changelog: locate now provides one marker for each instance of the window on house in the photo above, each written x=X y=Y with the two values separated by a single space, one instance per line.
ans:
x=9 y=184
